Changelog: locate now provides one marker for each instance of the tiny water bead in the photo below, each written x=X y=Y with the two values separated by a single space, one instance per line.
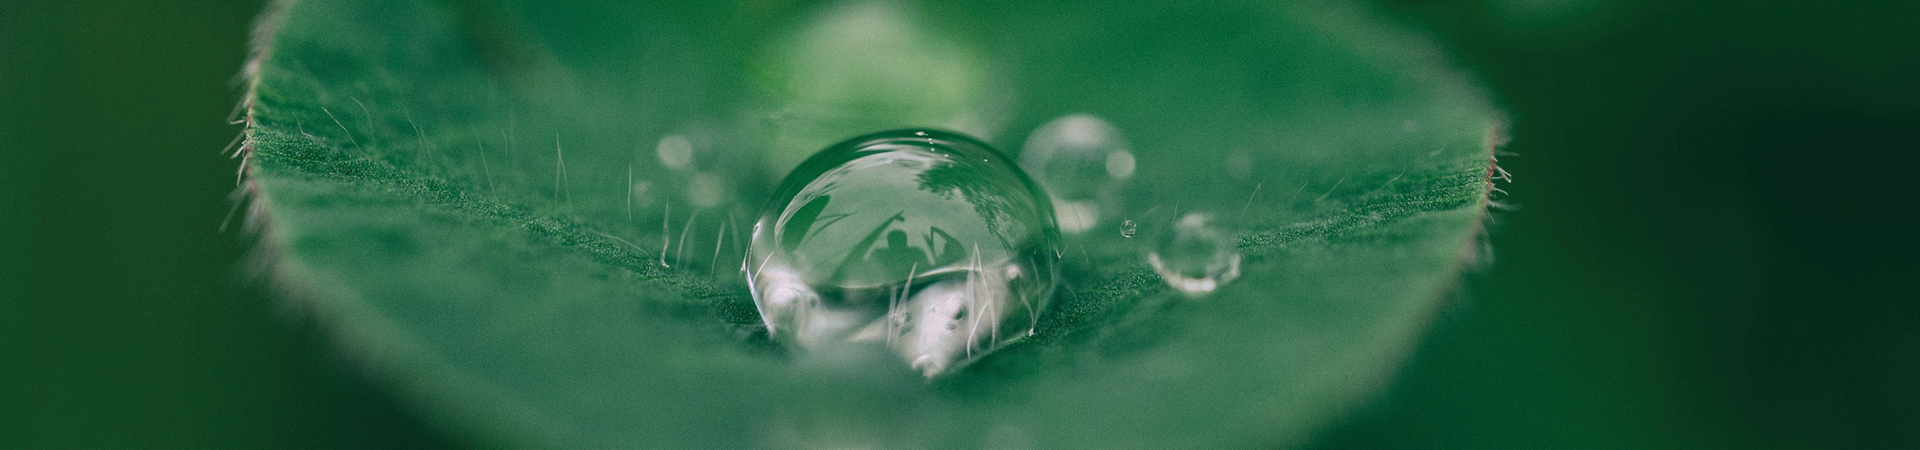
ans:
x=926 y=242
x=1128 y=228
x=1083 y=161
x=1195 y=256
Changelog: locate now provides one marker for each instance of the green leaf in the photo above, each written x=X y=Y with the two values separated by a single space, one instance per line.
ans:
x=482 y=203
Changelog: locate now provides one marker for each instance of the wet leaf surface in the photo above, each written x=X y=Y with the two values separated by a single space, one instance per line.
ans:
x=531 y=216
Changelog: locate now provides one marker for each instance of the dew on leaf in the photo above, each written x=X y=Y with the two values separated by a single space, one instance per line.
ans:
x=1195 y=256
x=674 y=151
x=706 y=190
x=1082 y=160
x=928 y=243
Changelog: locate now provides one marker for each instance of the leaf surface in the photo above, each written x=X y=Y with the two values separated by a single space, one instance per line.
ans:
x=530 y=215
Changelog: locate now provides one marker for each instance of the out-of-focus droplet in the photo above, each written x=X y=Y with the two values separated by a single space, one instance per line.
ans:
x=927 y=242
x=706 y=190
x=1082 y=160
x=1195 y=256
x=674 y=151
x=1077 y=216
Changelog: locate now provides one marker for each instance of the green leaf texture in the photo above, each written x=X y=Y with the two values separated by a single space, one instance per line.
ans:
x=472 y=197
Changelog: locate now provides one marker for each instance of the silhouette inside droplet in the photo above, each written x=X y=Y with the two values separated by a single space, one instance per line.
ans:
x=928 y=243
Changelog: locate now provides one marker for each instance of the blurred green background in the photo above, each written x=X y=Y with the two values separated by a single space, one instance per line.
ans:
x=1713 y=247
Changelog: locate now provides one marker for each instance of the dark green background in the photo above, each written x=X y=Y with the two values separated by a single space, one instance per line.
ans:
x=1713 y=248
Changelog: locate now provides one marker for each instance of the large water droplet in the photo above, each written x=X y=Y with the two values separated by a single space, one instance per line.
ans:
x=1195 y=256
x=927 y=242
x=1082 y=160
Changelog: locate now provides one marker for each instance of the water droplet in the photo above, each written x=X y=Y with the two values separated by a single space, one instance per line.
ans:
x=706 y=190
x=1196 y=257
x=925 y=225
x=1128 y=228
x=1083 y=161
x=675 y=151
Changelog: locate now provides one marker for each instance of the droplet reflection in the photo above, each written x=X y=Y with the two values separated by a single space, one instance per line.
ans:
x=927 y=242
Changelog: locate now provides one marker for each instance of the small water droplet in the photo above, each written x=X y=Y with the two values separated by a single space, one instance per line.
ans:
x=674 y=151
x=706 y=190
x=948 y=237
x=1196 y=257
x=1083 y=161
x=1128 y=228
